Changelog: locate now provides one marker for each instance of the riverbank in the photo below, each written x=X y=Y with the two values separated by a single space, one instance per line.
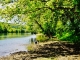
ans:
x=51 y=50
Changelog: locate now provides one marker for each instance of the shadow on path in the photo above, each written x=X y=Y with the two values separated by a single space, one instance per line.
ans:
x=55 y=49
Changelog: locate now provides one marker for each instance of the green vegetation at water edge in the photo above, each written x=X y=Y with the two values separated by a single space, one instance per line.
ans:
x=50 y=17
x=12 y=28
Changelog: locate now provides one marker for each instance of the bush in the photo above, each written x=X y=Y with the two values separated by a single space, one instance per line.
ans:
x=41 y=37
x=65 y=35
x=30 y=47
x=69 y=36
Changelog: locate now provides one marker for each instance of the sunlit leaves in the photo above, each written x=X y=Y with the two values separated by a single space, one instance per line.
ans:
x=67 y=4
x=50 y=16
x=50 y=3
x=5 y=1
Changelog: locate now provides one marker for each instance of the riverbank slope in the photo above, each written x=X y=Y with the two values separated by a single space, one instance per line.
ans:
x=51 y=50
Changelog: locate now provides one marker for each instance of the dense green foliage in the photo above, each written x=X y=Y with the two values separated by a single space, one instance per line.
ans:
x=51 y=17
x=12 y=28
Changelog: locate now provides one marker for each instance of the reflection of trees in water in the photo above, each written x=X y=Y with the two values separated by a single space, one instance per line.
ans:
x=12 y=35
x=3 y=36
x=33 y=41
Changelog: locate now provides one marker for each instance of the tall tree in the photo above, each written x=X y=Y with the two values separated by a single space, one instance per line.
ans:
x=48 y=15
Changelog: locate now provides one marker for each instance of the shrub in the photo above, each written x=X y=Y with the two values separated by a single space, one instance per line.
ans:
x=65 y=35
x=41 y=37
x=69 y=36
x=30 y=47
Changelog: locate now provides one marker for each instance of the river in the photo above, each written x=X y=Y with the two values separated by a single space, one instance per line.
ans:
x=10 y=43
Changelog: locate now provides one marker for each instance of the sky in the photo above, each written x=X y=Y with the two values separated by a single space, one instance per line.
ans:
x=9 y=21
x=14 y=19
x=1 y=6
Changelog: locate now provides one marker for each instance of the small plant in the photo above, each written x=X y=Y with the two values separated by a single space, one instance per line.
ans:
x=30 y=47
x=41 y=37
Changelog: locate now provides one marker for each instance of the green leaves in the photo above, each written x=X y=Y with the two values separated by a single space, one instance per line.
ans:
x=50 y=17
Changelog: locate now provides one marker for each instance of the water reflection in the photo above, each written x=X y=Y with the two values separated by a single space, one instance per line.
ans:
x=12 y=35
x=33 y=41
x=2 y=36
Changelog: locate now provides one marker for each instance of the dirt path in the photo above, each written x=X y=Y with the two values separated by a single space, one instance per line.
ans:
x=53 y=50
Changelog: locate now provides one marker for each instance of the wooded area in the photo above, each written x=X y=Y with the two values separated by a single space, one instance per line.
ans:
x=12 y=28
x=50 y=17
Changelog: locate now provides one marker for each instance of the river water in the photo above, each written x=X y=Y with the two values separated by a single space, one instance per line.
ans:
x=10 y=43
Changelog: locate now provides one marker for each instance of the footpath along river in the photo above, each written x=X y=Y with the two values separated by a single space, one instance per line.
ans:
x=10 y=45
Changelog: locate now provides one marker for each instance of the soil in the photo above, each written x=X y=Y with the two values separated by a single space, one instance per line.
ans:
x=55 y=50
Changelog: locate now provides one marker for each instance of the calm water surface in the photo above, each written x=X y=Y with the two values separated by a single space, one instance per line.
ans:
x=10 y=43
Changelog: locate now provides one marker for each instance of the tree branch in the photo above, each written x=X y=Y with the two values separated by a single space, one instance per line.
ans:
x=39 y=25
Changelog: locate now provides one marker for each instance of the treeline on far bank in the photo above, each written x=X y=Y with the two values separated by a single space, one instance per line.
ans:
x=12 y=28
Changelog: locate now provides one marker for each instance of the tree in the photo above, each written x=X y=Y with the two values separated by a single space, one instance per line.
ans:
x=58 y=17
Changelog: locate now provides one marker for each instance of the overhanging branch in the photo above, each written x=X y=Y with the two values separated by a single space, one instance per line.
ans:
x=39 y=25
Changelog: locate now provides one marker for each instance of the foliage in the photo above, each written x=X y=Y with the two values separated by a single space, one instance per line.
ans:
x=41 y=37
x=50 y=17
x=11 y=28
x=30 y=47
